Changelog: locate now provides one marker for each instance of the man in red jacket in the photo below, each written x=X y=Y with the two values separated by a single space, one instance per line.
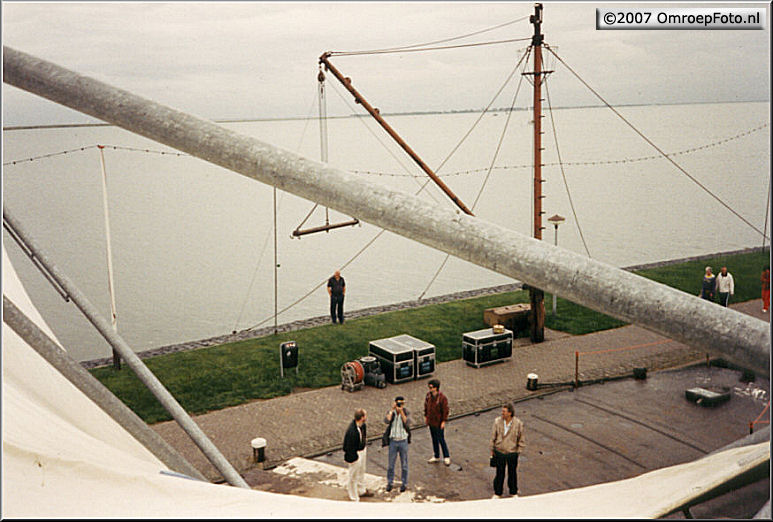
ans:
x=436 y=415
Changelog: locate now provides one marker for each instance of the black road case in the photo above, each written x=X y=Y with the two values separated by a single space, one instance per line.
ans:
x=395 y=358
x=423 y=354
x=483 y=347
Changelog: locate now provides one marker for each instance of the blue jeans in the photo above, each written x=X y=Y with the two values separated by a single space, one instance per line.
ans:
x=438 y=441
x=398 y=447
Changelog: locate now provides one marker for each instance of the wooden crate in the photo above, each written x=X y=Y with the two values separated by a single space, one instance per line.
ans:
x=513 y=317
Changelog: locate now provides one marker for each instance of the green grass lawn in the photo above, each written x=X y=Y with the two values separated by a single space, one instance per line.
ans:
x=227 y=375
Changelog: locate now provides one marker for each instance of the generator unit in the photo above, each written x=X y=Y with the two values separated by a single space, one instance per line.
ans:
x=395 y=358
x=365 y=371
x=483 y=347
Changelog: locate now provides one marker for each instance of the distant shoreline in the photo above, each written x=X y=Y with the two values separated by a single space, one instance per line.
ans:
x=374 y=310
x=408 y=113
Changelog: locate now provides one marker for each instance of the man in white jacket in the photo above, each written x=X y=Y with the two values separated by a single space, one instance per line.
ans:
x=725 y=286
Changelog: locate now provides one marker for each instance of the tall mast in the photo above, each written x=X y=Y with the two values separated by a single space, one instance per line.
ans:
x=537 y=296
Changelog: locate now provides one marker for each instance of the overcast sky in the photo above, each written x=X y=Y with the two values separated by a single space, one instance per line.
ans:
x=260 y=59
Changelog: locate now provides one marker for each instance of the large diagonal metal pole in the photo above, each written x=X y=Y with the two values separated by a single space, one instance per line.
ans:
x=144 y=374
x=95 y=390
x=602 y=287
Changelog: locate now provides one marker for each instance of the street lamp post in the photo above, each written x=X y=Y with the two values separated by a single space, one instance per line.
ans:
x=556 y=220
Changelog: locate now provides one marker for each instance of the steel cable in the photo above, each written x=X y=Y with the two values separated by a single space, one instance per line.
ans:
x=663 y=154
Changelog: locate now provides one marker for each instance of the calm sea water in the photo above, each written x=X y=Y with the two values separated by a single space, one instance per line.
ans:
x=193 y=243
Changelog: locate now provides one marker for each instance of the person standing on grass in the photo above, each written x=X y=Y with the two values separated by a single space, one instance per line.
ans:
x=725 y=286
x=397 y=436
x=436 y=415
x=355 y=454
x=708 y=285
x=336 y=289
x=765 y=280
x=507 y=442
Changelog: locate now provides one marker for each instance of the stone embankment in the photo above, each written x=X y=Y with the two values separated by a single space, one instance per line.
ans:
x=308 y=323
x=365 y=312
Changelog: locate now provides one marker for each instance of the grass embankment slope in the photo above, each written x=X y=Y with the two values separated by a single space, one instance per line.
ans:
x=227 y=375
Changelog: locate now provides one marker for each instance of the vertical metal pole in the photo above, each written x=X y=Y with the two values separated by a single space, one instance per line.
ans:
x=111 y=286
x=576 y=369
x=323 y=129
x=322 y=116
x=555 y=243
x=767 y=210
x=536 y=295
x=276 y=280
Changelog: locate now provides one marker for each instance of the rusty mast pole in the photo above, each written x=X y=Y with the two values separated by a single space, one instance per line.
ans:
x=346 y=82
x=536 y=295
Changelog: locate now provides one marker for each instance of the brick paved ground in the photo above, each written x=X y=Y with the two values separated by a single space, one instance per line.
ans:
x=313 y=422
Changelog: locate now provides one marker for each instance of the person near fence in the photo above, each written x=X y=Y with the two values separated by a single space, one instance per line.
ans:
x=765 y=280
x=356 y=455
x=725 y=286
x=507 y=442
x=708 y=285
x=397 y=436
x=436 y=415
x=336 y=289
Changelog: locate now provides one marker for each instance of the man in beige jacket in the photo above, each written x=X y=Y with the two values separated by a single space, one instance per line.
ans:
x=506 y=444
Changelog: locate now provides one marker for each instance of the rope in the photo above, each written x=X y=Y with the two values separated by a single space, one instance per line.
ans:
x=344 y=53
x=496 y=42
x=384 y=145
x=491 y=166
x=457 y=173
x=268 y=234
x=47 y=155
x=515 y=69
x=563 y=174
x=682 y=170
x=767 y=209
x=581 y=163
x=350 y=261
x=87 y=147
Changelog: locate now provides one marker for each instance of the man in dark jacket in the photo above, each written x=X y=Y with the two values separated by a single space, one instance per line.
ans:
x=336 y=289
x=355 y=453
x=436 y=415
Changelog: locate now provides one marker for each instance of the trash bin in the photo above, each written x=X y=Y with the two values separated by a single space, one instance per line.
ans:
x=531 y=381
x=289 y=354
x=258 y=449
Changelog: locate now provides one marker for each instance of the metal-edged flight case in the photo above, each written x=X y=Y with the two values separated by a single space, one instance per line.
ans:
x=423 y=355
x=483 y=347
x=395 y=358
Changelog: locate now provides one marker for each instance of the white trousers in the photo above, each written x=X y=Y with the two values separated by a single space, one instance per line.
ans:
x=355 y=486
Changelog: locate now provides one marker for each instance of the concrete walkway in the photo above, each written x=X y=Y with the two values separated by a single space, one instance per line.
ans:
x=313 y=422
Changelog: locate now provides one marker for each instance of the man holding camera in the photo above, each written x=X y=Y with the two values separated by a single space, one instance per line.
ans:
x=397 y=436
